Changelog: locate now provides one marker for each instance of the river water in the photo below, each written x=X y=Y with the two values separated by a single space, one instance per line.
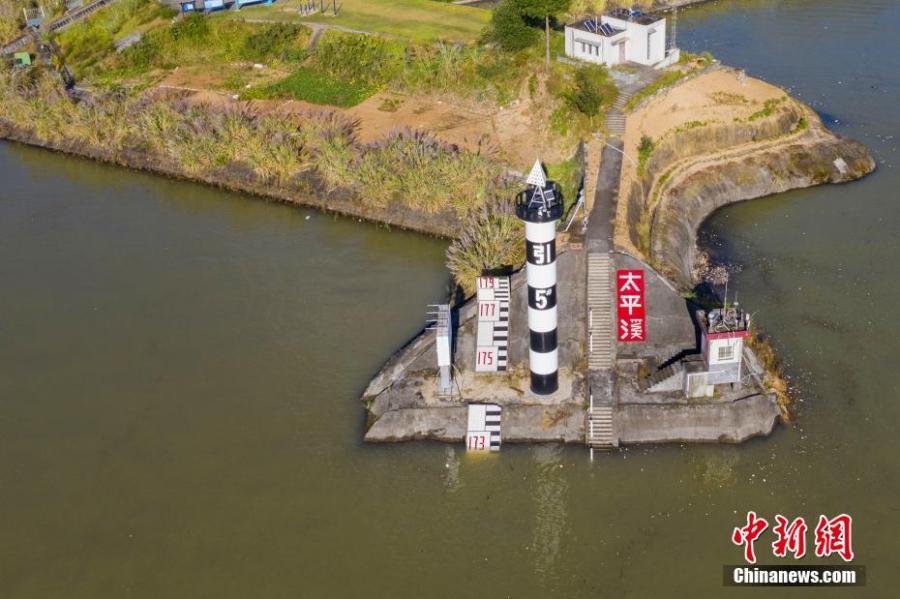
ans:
x=180 y=368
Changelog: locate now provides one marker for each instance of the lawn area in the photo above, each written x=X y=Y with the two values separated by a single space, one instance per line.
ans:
x=419 y=20
x=315 y=87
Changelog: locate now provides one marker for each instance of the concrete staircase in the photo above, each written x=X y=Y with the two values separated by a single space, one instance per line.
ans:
x=624 y=95
x=601 y=351
x=615 y=123
x=615 y=118
x=670 y=378
x=600 y=433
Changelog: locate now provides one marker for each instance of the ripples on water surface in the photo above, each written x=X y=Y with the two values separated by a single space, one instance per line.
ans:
x=179 y=370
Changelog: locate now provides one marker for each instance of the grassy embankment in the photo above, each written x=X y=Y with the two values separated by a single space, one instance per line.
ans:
x=412 y=170
x=341 y=71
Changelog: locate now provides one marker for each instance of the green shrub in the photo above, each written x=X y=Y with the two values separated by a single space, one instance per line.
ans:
x=440 y=67
x=144 y=55
x=645 y=148
x=768 y=109
x=279 y=41
x=194 y=27
x=89 y=42
x=360 y=59
x=587 y=96
x=87 y=45
x=509 y=29
x=314 y=87
x=561 y=121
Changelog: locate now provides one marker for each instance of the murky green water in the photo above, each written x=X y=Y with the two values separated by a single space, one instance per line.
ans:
x=179 y=369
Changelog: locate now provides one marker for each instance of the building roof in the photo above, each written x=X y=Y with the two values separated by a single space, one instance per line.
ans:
x=633 y=16
x=725 y=323
x=593 y=25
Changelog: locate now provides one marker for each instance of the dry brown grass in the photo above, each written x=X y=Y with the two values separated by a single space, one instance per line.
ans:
x=773 y=379
x=407 y=169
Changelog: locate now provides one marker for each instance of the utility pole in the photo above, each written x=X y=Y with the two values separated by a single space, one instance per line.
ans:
x=673 y=39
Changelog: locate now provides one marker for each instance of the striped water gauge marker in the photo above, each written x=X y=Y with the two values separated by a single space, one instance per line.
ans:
x=492 y=335
x=483 y=430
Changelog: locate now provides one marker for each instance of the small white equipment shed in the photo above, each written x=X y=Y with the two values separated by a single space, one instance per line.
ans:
x=618 y=37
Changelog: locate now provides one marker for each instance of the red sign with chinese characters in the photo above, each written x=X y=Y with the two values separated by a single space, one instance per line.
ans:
x=631 y=311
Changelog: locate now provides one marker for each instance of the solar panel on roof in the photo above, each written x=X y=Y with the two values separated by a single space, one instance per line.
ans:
x=606 y=29
x=590 y=26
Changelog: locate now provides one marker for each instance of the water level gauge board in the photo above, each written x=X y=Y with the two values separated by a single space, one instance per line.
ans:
x=483 y=430
x=492 y=338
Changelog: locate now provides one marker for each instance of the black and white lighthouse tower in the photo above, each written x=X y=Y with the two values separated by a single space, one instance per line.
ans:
x=540 y=206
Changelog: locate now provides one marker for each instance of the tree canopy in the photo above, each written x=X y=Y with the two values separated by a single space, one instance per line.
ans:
x=509 y=29
x=543 y=9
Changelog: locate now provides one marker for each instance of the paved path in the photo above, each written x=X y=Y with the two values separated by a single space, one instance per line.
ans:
x=601 y=347
x=600 y=428
x=603 y=212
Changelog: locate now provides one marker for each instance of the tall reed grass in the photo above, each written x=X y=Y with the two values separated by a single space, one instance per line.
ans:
x=491 y=242
x=407 y=169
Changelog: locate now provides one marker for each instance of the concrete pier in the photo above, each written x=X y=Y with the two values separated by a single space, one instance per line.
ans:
x=404 y=404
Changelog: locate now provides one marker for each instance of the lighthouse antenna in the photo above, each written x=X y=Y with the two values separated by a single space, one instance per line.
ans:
x=536 y=176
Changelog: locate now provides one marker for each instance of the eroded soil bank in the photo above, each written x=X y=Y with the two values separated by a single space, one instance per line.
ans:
x=714 y=140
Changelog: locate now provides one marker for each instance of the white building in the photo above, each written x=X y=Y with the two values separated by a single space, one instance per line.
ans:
x=620 y=37
x=722 y=333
